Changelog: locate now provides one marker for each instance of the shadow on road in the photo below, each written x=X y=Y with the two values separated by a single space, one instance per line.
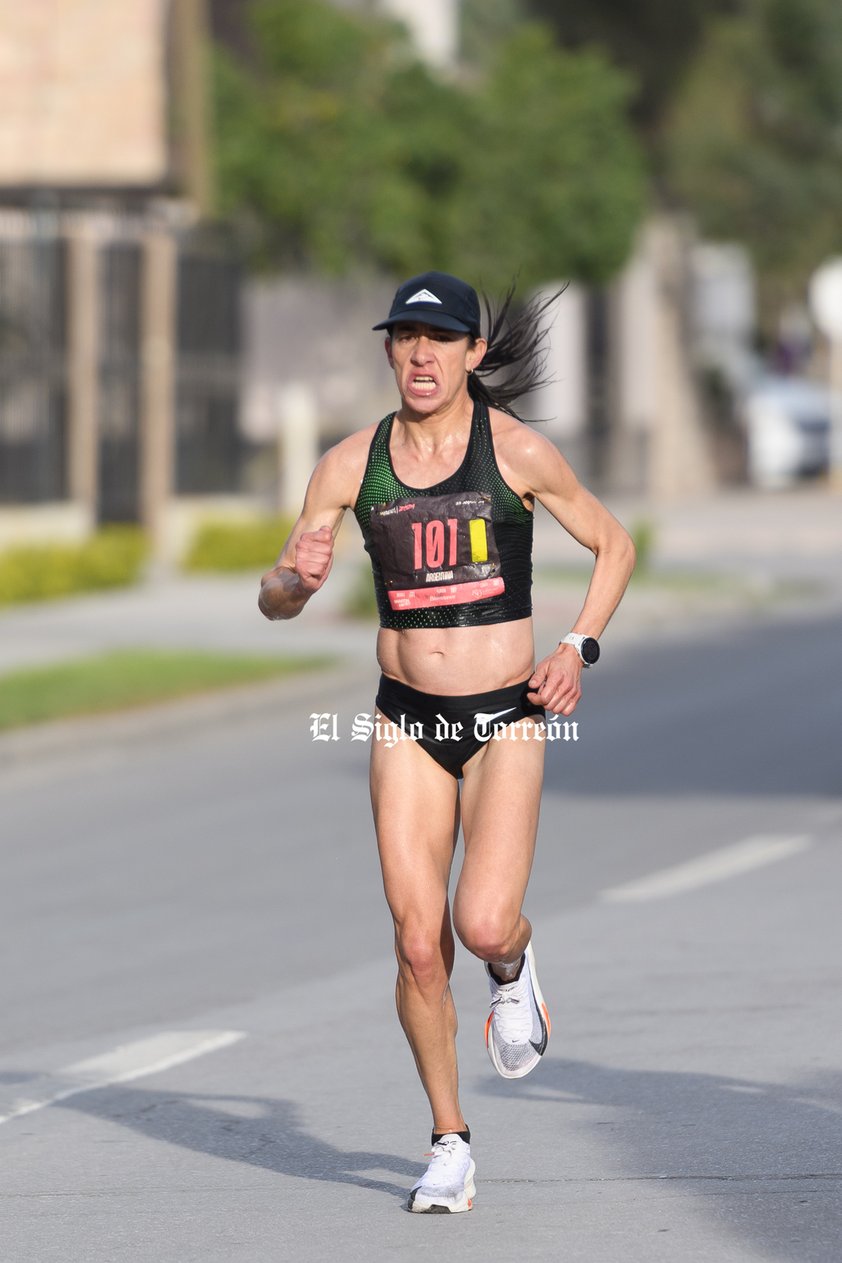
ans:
x=723 y=1137
x=258 y=1131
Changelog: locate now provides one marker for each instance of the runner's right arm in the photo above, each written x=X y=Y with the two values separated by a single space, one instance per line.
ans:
x=307 y=556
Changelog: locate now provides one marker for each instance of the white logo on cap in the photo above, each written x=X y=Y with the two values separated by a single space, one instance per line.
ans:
x=424 y=296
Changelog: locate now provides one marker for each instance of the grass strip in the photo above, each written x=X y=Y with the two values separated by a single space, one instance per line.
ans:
x=127 y=678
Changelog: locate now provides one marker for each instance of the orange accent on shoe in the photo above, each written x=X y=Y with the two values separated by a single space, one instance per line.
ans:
x=547 y=1019
x=470 y=1203
x=488 y=1027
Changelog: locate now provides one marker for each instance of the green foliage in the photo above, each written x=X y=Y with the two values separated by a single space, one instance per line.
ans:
x=340 y=150
x=37 y=572
x=654 y=40
x=739 y=107
x=228 y=546
x=553 y=185
x=129 y=677
x=754 y=142
x=308 y=150
x=484 y=24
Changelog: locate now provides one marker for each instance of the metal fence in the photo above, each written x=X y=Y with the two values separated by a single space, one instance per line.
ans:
x=35 y=372
x=33 y=394
x=118 y=384
x=210 y=452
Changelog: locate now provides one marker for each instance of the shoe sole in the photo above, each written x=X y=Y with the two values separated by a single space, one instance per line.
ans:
x=542 y=1009
x=465 y=1202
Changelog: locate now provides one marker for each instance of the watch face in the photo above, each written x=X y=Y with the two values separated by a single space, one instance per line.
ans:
x=590 y=650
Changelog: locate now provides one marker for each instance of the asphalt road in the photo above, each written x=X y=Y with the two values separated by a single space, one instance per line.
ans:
x=199 y=1055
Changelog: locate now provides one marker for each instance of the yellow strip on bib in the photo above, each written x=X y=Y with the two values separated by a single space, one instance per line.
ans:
x=479 y=539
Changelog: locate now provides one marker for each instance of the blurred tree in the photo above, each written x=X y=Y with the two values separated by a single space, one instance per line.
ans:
x=739 y=107
x=307 y=151
x=655 y=40
x=753 y=142
x=337 y=149
x=553 y=183
x=484 y=23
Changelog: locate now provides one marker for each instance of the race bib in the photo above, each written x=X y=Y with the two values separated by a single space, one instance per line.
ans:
x=437 y=550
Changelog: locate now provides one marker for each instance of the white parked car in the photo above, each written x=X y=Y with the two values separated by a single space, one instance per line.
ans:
x=788 y=430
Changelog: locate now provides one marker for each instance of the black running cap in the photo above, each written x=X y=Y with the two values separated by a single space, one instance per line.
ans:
x=437 y=299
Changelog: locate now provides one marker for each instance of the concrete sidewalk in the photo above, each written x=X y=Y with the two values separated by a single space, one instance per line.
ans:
x=774 y=550
x=795 y=534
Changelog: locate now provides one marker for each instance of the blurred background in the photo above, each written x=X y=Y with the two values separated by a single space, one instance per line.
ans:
x=204 y=205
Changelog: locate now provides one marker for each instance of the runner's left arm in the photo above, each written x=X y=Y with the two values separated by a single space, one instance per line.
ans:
x=556 y=682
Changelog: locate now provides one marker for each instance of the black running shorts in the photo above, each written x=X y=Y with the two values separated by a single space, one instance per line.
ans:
x=433 y=719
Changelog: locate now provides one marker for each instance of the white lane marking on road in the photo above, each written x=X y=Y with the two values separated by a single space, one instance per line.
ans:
x=730 y=861
x=119 y=1065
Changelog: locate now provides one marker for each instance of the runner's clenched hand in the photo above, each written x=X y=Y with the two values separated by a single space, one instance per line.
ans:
x=555 y=683
x=314 y=558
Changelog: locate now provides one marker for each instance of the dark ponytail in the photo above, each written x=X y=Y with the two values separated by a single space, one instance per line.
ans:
x=517 y=351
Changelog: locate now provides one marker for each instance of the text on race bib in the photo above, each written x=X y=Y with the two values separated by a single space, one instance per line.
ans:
x=437 y=550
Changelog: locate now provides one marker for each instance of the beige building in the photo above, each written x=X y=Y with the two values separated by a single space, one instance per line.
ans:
x=83 y=94
x=119 y=319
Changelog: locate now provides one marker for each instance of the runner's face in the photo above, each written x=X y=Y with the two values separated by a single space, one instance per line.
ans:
x=431 y=365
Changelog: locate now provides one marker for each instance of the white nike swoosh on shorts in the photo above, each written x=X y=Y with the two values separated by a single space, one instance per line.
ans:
x=482 y=718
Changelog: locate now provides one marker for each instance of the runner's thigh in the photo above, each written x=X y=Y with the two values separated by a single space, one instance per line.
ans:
x=501 y=797
x=416 y=815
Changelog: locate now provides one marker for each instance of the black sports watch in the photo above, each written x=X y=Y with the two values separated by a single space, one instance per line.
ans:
x=586 y=647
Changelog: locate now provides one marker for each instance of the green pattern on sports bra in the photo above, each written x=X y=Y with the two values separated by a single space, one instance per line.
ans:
x=512 y=524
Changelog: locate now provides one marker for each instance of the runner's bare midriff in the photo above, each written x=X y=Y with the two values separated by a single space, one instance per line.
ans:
x=454 y=661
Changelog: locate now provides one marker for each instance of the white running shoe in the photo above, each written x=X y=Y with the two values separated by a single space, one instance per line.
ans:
x=447 y=1186
x=518 y=1027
